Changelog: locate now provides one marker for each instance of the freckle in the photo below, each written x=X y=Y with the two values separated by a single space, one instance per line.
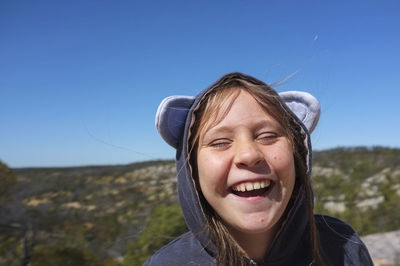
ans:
x=262 y=220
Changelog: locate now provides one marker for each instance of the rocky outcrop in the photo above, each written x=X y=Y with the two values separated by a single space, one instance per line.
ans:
x=384 y=248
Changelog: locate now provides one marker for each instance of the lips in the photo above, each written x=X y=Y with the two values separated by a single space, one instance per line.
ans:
x=251 y=188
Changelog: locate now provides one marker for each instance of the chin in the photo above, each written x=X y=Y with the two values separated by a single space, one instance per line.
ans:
x=255 y=224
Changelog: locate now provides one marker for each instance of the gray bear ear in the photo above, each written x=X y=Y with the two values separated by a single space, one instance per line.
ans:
x=171 y=116
x=305 y=106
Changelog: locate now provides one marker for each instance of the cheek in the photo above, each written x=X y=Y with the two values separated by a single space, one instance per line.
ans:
x=212 y=172
x=283 y=163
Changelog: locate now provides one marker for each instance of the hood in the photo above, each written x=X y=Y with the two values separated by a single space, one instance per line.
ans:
x=173 y=121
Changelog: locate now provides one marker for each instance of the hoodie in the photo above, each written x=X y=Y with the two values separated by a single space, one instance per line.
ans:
x=339 y=244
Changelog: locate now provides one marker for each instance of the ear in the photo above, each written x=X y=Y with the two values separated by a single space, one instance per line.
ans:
x=305 y=106
x=171 y=116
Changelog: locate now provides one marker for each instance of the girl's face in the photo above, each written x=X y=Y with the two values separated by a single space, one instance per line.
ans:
x=246 y=168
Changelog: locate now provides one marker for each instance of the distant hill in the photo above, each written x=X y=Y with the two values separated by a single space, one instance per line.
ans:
x=359 y=185
x=90 y=213
x=97 y=215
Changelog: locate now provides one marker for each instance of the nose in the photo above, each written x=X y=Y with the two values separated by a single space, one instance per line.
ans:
x=247 y=154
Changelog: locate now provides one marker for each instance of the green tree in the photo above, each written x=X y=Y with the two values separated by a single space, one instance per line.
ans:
x=8 y=180
x=166 y=223
x=388 y=211
x=65 y=256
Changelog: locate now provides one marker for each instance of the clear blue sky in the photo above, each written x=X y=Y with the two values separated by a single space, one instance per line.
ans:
x=80 y=81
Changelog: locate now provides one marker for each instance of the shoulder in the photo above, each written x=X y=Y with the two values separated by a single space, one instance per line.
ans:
x=184 y=250
x=330 y=225
x=340 y=243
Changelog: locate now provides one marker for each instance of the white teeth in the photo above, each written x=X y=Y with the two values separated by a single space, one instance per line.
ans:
x=265 y=183
x=249 y=186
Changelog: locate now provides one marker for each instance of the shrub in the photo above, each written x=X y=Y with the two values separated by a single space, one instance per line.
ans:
x=166 y=223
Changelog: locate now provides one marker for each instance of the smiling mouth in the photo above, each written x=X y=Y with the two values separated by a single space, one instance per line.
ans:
x=252 y=189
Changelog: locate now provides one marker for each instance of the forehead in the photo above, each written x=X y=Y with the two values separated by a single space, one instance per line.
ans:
x=241 y=110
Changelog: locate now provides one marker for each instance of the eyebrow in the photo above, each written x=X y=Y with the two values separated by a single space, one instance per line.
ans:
x=262 y=123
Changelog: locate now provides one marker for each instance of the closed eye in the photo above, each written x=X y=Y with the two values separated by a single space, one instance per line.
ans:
x=220 y=143
x=267 y=138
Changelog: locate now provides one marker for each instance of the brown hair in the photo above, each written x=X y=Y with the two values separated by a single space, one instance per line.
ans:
x=211 y=109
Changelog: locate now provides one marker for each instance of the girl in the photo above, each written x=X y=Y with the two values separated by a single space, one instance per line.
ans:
x=244 y=163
